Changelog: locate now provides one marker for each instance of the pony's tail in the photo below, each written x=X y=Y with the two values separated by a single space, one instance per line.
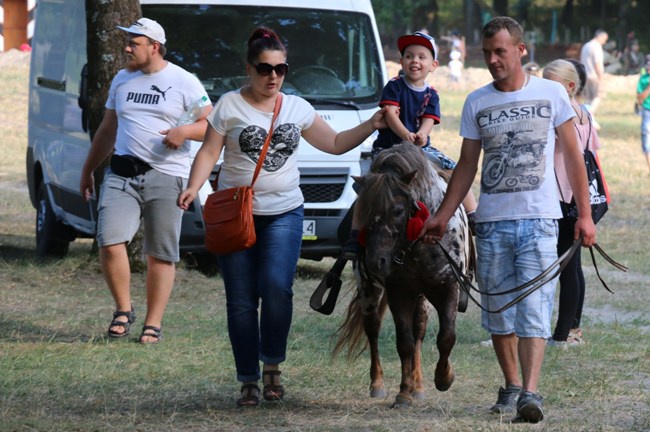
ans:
x=352 y=333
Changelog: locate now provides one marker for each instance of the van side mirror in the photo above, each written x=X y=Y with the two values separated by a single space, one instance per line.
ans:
x=83 y=98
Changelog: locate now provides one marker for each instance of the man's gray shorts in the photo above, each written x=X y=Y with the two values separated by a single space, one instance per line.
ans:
x=152 y=197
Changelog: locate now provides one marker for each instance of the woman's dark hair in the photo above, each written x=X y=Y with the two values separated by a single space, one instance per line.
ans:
x=263 y=39
x=582 y=74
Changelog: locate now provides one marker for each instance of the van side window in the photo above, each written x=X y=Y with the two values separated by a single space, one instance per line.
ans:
x=54 y=41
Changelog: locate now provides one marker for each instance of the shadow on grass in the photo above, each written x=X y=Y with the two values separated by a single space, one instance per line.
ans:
x=204 y=262
x=13 y=253
x=24 y=331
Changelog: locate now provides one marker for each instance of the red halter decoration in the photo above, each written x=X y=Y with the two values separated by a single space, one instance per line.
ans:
x=413 y=226
x=416 y=223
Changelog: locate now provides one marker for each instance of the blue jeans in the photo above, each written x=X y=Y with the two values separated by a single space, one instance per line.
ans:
x=511 y=253
x=645 y=130
x=259 y=330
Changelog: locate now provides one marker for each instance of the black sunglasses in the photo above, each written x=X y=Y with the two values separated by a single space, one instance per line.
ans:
x=265 y=69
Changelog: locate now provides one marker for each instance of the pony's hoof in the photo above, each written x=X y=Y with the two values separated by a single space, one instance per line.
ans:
x=444 y=381
x=419 y=395
x=402 y=402
x=378 y=393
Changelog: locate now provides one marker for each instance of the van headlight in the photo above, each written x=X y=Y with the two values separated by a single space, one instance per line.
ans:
x=366 y=145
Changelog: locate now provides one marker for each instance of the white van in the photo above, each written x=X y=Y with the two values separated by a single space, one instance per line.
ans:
x=336 y=63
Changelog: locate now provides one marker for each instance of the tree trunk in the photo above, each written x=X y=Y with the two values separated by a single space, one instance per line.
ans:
x=500 y=7
x=105 y=53
x=425 y=16
x=567 y=14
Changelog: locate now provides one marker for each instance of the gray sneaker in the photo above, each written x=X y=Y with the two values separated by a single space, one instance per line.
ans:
x=529 y=407
x=507 y=400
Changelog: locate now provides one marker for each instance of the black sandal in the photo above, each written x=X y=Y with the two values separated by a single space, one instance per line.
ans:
x=127 y=324
x=250 y=395
x=151 y=331
x=273 y=392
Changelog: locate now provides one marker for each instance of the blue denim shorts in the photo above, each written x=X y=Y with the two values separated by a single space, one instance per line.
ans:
x=511 y=253
x=645 y=130
x=432 y=153
x=439 y=158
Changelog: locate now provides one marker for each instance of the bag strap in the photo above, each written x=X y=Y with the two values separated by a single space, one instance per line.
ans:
x=586 y=149
x=590 y=120
x=265 y=147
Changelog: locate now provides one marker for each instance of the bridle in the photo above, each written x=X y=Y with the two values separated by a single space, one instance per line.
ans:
x=534 y=284
x=526 y=289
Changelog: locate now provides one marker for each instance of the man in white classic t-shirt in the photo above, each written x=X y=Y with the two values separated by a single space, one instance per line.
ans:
x=514 y=121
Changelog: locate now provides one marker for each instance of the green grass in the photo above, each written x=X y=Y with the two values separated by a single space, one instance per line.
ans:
x=59 y=371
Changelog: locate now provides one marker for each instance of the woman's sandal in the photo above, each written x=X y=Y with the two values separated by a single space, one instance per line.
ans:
x=125 y=324
x=272 y=391
x=152 y=332
x=250 y=395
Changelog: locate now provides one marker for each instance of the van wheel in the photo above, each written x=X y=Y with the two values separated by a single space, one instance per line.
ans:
x=51 y=235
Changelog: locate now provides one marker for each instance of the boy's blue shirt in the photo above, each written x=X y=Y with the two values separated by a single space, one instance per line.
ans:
x=410 y=103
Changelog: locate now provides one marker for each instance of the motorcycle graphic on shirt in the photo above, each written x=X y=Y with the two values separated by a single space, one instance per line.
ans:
x=514 y=140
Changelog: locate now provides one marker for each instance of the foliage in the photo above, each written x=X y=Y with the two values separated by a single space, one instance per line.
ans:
x=555 y=21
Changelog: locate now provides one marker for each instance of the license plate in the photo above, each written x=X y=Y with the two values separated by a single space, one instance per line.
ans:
x=309 y=229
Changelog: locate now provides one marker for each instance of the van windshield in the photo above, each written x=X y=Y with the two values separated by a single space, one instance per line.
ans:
x=332 y=55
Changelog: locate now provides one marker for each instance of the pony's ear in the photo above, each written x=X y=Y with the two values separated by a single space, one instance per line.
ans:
x=359 y=179
x=409 y=177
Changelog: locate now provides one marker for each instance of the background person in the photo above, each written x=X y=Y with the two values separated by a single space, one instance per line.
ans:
x=572 y=281
x=532 y=68
x=144 y=103
x=633 y=58
x=592 y=56
x=259 y=281
x=455 y=68
x=516 y=228
x=643 y=99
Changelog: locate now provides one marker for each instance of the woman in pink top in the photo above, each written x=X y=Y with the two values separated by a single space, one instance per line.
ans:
x=571 y=74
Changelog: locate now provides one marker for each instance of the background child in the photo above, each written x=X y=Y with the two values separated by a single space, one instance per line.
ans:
x=413 y=108
x=455 y=68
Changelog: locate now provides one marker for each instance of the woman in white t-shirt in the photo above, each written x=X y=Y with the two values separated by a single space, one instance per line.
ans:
x=239 y=124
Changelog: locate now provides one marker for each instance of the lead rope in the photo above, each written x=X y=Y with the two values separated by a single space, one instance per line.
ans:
x=535 y=283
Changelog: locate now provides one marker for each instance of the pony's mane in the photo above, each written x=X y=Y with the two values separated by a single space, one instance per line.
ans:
x=386 y=181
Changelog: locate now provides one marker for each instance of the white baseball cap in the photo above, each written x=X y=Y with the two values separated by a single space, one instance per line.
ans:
x=147 y=27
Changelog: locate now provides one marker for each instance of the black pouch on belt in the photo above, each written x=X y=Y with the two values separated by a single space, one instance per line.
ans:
x=128 y=166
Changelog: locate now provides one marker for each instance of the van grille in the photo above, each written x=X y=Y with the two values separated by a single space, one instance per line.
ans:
x=320 y=185
x=320 y=193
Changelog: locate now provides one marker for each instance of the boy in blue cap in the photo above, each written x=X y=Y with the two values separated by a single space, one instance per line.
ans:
x=413 y=110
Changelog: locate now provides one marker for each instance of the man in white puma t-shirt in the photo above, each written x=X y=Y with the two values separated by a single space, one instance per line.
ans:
x=149 y=168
